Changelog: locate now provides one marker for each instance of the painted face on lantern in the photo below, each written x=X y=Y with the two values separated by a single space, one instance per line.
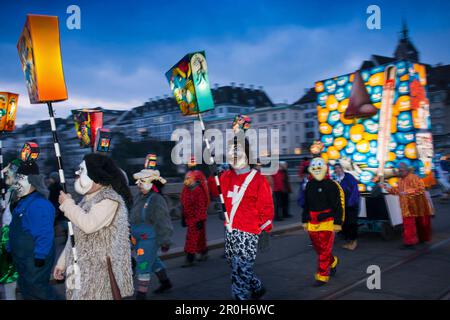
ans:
x=333 y=117
x=21 y=185
x=404 y=122
x=82 y=182
x=340 y=94
x=330 y=86
x=338 y=130
x=341 y=81
x=318 y=168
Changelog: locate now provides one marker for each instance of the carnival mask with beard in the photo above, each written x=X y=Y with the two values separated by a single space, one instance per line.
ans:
x=318 y=168
x=236 y=156
x=21 y=185
x=83 y=183
x=10 y=174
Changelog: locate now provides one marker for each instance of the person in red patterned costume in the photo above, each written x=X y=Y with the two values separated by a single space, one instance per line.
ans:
x=195 y=202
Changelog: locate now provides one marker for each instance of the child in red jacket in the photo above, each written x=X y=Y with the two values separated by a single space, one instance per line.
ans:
x=195 y=202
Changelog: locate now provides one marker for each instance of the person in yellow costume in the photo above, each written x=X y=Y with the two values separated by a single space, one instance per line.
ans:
x=323 y=215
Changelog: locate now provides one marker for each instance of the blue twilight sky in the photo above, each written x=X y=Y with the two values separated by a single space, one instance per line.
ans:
x=119 y=57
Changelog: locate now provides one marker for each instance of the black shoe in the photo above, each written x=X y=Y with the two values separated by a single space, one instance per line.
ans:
x=408 y=247
x=333 y=272
x=165 y=286
x=319 y=283
x=141 y=295
x=256 y=295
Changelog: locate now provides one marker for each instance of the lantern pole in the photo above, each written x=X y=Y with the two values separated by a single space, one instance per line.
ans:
x=216 y=175
x=63 y=182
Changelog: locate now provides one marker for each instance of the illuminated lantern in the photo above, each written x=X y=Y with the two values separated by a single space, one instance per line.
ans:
x=338 y=130
x=356 y=132
x=87 y=122
x=401 y=68
x=333 y=153
x=403 y=88
x=404 y=137
x=376 y=79
x=400 y=151
x=340 y=143
x=411 y=151
x=377 y=105
x=330 y=86
x=404 y=122
x=403 y=103
x=350 y=148
x=370 y=126
x=319 y=86
x=363 y=146
x=325 y=128
x=189 y=82
x=340 y=94
x=376 y=94
x=40 y=55
x=30 y=151
x=324 y=156
x=102 y=140
x=322 y=98
x=342 y=81
x=333 y=117
x=327 y=140
x=322 y=114
x=343 y=105
x=332 y=103
x=8 y=110
x=372 y=162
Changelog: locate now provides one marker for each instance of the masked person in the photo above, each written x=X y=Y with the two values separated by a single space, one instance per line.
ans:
x=8 y=273
x=101 y=231
x=249 y=204
x=31 y=235
x=151 y=229
x=323 y=214
x=195 y=202
x=416 y=208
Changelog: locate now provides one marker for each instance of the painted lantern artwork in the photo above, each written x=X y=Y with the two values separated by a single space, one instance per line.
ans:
x=371 y=120
x=189 y=82
x=8 y=110
x=86 y=124
x=30 y=151
x=40 y=56
x=102 y=140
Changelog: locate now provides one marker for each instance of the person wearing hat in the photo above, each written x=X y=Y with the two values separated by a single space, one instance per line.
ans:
x=151 y=229
x=31 y=234
x=101 y=231
x=194 y=202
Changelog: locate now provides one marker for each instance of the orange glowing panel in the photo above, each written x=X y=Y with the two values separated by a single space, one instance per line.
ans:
x=40 y=55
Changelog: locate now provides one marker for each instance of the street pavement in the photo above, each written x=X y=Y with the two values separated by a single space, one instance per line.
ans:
x=287 y=268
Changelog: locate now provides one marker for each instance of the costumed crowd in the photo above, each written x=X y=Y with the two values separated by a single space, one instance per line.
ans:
x=118 y=238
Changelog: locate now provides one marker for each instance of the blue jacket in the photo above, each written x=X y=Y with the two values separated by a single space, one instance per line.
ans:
x=38 y=216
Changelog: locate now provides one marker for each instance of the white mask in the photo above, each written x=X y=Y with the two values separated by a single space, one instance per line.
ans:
x=10 y=177
x=145 y=183
x=21 y=185
x=83 y=183
x=238 y=160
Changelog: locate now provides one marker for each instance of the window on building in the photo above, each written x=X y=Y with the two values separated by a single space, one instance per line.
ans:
x=297 y=127
x=283 y=116
x=285 y=151
x=297 y=139
x=295 y=115
x=283 y=139
x=274 y=117
x=309 y=135
x=262 y=117
x=283 y=128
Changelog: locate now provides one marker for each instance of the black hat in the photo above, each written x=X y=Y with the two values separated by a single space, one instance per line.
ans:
x=28 y=168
